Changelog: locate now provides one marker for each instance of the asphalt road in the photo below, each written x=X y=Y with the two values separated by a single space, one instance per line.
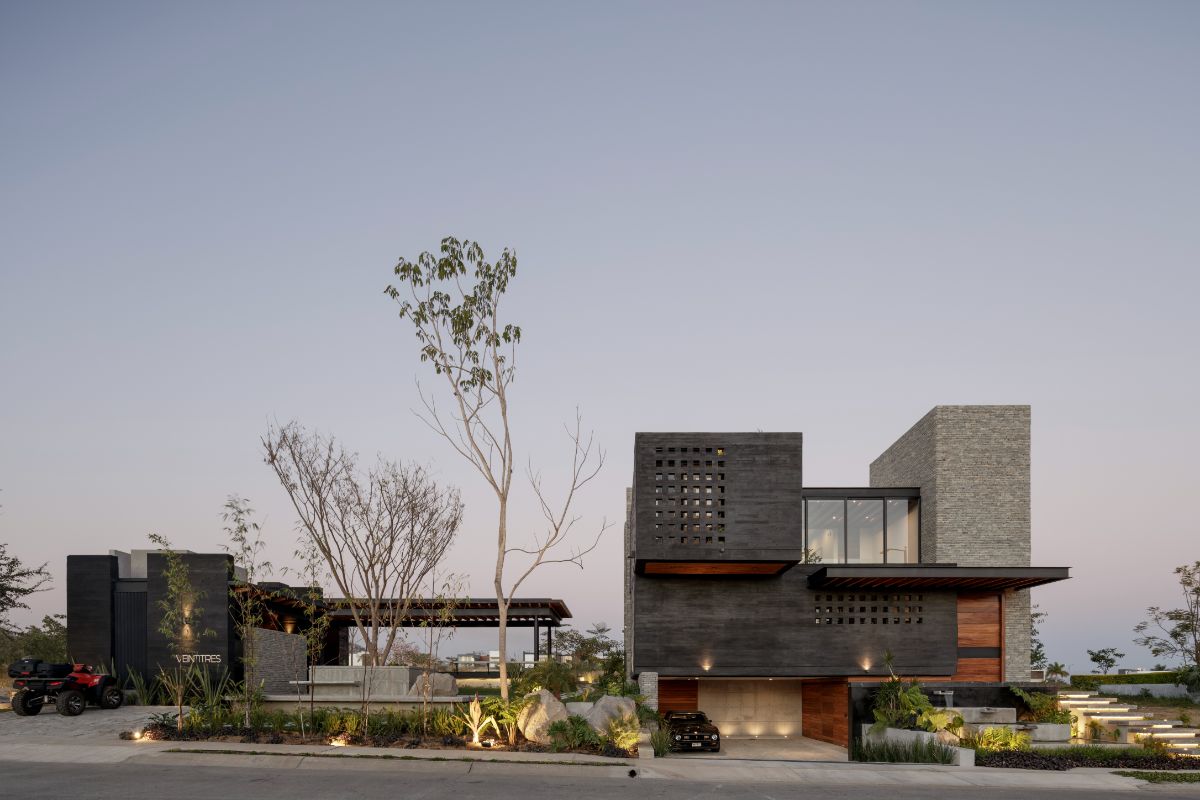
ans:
x=188 y=780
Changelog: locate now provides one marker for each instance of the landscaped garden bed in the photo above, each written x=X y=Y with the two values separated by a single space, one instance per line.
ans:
x=1064 y=758
x=490 y=724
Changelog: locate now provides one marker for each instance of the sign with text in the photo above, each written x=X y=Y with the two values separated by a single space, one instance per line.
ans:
x=198 y=658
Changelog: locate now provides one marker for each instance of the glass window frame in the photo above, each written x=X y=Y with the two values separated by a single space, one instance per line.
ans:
x=885 y=499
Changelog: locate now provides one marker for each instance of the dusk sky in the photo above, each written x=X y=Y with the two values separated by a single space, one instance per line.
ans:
x=781 y=216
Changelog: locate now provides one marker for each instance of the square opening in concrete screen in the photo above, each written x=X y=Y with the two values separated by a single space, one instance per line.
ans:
x=863 y=530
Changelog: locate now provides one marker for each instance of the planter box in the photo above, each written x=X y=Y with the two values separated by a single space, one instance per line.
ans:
x=1051 y=732
x=963 y=756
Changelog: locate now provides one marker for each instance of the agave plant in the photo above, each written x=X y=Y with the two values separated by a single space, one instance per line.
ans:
x=476 y=722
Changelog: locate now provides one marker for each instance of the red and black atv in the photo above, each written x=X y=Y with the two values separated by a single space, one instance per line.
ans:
x=69 y=687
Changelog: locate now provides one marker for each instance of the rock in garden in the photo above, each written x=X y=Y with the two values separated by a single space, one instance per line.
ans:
x=443 y=686
x=536 y=717
x=609 y=708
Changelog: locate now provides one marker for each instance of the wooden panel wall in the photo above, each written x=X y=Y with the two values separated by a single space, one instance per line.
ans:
x=980 y=624
x=678 y=695
x=825 y=711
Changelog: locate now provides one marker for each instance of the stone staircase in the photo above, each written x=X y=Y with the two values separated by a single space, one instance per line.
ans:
x=1130 y=725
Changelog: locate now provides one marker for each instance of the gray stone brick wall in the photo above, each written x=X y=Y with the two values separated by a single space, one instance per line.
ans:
x=972 y=464
x=648 y=686
x=279 y=657
x=912 y=462
x=1017 y=635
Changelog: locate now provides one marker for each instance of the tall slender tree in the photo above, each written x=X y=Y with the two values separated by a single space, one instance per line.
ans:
x=453 y=301
x=247 y=600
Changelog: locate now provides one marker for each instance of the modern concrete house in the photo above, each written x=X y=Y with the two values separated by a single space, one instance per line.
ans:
x=114 y=614
x=758 y=600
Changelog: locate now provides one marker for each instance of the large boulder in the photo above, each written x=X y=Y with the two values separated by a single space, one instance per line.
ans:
x=443 y=685
x=608 y=708
x=542 y=710
x=578 y=709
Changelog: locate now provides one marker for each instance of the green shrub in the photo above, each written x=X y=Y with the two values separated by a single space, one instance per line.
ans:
x=660 y=740
x=1044 y=707
x=572 y=733
x=1188 y=677
x=903 y=705
x=1092 y=682
x=623 y=732
x=918 y=752
x=443 y=722
x=998 y=739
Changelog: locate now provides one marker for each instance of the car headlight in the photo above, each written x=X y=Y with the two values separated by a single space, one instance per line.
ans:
x=714 y=736
x=678 y=737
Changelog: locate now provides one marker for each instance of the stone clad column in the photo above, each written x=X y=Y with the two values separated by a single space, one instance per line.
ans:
x=648 y=686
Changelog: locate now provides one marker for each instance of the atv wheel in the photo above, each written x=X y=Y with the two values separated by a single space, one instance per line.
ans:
x=111 y=697
x=70 y=703
x=25 y=704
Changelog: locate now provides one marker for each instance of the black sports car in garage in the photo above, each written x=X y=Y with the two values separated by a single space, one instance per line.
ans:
x=691 y=731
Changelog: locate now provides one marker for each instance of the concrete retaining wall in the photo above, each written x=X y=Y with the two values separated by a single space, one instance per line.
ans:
x=963 y=756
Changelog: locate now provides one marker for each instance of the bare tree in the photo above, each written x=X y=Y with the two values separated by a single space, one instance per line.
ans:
x=460 y=332
x=1176 y=631
x=380 y=532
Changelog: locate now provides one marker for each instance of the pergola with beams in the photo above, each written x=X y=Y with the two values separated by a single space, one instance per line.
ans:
x=525 y=612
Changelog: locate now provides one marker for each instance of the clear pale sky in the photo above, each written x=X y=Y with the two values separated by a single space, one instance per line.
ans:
x=786 y=216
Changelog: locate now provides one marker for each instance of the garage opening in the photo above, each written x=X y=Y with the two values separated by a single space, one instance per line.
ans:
x=766 y=718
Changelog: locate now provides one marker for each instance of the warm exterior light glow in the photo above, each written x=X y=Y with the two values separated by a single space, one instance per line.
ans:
x=866 y=665
x=706 y=667
x=137 y=735
x=338 y=741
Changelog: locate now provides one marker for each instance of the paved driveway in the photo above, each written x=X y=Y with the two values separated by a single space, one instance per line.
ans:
x=95 y=723
x=792 y=749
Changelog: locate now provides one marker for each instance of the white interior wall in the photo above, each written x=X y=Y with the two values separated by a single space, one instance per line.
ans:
x=759 y=707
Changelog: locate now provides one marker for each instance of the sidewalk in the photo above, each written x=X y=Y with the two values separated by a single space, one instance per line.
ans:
x=698 y=770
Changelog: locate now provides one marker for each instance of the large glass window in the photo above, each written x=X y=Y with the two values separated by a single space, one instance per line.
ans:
x=903 y=529
x=864 y=531
x=827 y=529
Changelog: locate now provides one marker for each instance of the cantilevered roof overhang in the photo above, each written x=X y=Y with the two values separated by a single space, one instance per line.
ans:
x=933 y=576
x=472 y=613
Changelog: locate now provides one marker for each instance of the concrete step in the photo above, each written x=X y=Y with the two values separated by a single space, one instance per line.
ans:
x=1170 y=733
x=1120 y=709
x=1077 y=693
x=1184 y=747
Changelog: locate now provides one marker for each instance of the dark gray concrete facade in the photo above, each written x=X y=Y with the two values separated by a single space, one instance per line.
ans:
x=971 y=465
x=214 y=638
x=778 y=627
x=113 y=619
x=717 y=496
